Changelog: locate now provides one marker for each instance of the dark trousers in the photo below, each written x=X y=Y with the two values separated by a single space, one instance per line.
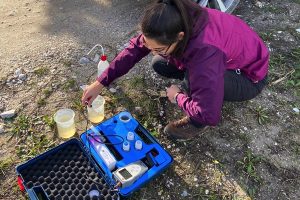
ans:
x=237 y=87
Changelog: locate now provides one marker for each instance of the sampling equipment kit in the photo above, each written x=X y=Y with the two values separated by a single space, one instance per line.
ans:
x=109 y=161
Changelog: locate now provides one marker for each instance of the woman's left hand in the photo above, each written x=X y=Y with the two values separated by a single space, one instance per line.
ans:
x=171 y=92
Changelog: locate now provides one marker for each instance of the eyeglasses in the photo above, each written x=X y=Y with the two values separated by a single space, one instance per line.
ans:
x=161 y=50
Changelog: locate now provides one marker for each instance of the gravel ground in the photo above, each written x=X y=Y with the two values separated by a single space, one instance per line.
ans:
x=42 y=43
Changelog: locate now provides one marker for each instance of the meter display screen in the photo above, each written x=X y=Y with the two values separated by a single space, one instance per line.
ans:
x=125 y=173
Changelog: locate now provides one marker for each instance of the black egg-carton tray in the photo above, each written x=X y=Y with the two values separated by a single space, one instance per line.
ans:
x=65 y=173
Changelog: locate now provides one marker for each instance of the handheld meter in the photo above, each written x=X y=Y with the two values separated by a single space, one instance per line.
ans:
x=130 y=173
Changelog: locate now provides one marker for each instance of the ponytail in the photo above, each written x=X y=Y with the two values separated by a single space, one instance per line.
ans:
x=164 y=19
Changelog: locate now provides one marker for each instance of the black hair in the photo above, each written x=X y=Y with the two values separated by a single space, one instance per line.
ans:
x=164 y=19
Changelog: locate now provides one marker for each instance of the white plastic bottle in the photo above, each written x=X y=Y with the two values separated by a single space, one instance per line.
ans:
x=102 y=65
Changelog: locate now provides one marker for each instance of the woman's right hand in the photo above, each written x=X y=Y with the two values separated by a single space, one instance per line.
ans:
x=91 y=92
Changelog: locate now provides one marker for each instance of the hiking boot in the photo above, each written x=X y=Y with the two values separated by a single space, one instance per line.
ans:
x=182 y=129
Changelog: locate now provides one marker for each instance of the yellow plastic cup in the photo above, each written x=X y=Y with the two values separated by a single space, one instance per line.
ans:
x=64 y=119
x=96 y=112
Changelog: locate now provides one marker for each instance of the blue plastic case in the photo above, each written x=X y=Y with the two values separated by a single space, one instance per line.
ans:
x=73 y=169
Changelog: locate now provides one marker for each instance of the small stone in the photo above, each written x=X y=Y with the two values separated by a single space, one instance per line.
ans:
x=259 y=4
x=22 y=77
x=161 y=113
x=8 y=114
x=163 y=94
x=1 y=128
x=245 y=128
x=160 y=193
x=169 y=146
x=18 y=72
x=40 y=84
x=84 y=60
x=184 y=193
x=112 y=90
x=39 y=123
x=138 y=109
x=26 y=62
x=296 y=110
x=12 y=13
x=206 y=191
x=279 y=32
x=195 y=179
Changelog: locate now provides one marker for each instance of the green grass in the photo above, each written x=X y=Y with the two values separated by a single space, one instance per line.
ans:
x=266 y=36
x=134 y=93
x=76 y=105
x=277 y=65
x=69 y=84
x=252 y=191
x=244 y=137
x=5 y=164
x=150 y=114
x=274 y=9
x=155 y=133
x=295 y=77
x=137 y=82
x=294 y=81
x=41 y=102
x=262 y=116
x=248 y=164
x=41 y=71
x=295 y=147
x=296 y=1
x=295 y=55
x=285 y=69
x=22 y=126
x=33 y=145
x=49 y=121
x=32 y=142
x=66 y=62
x=47 y=92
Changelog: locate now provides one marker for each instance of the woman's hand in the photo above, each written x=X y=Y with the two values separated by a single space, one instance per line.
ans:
x=91 y=92
x=172 y=91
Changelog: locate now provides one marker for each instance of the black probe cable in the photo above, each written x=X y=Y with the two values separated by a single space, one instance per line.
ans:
x=90 y=154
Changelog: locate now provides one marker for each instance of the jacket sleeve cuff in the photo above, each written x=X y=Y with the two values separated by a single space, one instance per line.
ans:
x=103 y=80
x=180 y=98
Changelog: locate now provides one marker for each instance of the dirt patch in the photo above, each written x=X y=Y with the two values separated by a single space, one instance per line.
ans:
x=252 y=154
